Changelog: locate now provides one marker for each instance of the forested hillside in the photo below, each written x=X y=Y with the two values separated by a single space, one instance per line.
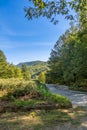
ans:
x=35 y=67
x=32 y=63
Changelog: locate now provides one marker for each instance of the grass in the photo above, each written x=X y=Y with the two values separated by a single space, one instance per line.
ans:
x=23 y=94
x=15 y=93
x=40 y=119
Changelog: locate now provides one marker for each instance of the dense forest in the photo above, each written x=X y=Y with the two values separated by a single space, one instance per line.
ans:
x=68 y=59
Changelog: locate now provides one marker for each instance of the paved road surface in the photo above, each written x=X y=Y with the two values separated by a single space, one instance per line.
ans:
x=77 y=98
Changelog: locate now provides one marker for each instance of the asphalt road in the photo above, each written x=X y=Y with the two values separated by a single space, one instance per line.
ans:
x=77 y=98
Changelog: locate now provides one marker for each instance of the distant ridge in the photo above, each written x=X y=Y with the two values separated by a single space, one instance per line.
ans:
x=35 y=67
x=32 y=63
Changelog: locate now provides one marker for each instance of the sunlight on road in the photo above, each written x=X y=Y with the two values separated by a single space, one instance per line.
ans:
x=76 y=97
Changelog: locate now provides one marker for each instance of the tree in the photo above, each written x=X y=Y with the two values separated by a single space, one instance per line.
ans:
x=41 y=77
x=17 y=72
x=51 y=9
x=68 y=60
x=2 y=56
x=3 y=65
x=8 y=70
x=25 y=72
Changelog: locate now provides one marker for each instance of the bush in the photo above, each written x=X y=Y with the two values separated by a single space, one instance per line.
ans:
x=17 y=87
x=23 y=92
x=80 y=85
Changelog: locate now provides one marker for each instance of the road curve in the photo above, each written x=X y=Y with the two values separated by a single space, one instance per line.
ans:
x=77 y=98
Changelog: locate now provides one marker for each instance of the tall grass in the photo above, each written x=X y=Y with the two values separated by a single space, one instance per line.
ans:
x=29 y=92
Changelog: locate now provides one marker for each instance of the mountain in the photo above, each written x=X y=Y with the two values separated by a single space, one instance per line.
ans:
x=32 y=63
x=35 y=67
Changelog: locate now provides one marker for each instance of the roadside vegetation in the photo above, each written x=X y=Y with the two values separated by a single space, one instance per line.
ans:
x=21 y=95
x=29 y=105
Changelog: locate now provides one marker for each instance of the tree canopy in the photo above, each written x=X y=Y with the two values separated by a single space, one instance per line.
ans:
x=41 y=77
x=25 y=72
x=8 y=70
x=68 y=59
x=2 y=56
x=52 y=8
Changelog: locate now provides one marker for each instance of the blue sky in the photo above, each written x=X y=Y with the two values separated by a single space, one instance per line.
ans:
x=23 y=40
